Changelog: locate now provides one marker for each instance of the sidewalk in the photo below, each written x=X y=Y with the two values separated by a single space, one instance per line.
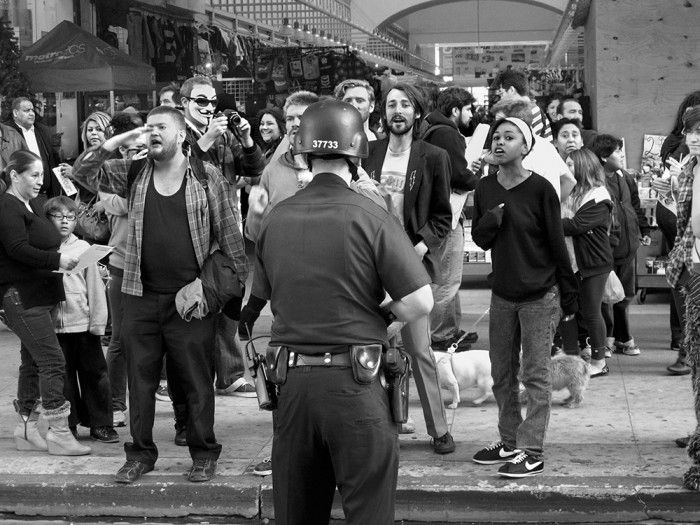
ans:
x=612 y=459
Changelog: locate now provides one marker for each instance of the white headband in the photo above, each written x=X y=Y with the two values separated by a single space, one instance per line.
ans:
x=524 y=129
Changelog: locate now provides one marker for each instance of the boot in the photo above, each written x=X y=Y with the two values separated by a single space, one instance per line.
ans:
x=680 y=367
x=59 y=438
x=27 y=436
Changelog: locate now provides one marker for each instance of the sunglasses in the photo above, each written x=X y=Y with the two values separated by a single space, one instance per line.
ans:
x=203 y=102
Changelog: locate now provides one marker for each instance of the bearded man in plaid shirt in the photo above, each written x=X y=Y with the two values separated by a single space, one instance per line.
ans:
x=173 y=219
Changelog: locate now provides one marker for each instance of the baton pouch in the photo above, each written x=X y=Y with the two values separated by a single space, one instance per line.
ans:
x=397 y=367
x=277 y=364
x=365 y=360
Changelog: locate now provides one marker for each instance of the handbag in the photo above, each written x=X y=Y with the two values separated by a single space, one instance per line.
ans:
x=91 y=225
x=614 y=292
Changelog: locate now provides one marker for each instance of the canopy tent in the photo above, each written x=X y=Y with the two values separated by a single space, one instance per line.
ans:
x=68 y=58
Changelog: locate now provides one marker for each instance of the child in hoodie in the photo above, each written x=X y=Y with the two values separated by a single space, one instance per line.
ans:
x=79 y=322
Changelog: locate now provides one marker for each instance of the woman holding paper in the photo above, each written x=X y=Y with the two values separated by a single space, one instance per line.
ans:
x=30 y=289
x=683 y=270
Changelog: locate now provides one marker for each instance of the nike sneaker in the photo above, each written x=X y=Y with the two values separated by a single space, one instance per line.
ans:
x=497 y=452
x=521 y=466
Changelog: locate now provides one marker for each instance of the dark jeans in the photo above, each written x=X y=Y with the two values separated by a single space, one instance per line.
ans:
x=590 y=300
x=528 y=325
x=116 y=361
x=228 y=362
x=151 y=329
x=87 y=381
x=42 y=367
x=667 y=224
x=617 y=323
x=331 y=431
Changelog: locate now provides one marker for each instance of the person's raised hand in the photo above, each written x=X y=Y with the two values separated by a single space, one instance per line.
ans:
x=67 y=262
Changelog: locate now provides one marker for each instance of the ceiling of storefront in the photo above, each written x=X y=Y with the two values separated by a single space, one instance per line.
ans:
x=465 y=22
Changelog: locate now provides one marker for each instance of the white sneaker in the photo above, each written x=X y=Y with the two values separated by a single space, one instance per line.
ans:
x=119 y=418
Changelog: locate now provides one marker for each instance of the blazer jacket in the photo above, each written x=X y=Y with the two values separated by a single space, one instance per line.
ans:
x=51 y=187
x=426 y=206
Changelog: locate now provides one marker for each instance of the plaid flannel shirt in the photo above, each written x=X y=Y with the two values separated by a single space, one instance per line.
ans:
x=211 y=214
x=681 y=257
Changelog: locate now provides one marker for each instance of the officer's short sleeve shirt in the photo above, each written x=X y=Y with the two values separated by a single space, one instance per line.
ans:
x=324 y=259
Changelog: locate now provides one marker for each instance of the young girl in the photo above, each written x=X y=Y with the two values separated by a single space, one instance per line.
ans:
x=517 y=216
x=586 y=219
x=79 y=322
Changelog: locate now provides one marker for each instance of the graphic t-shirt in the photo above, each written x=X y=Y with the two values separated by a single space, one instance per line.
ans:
x=393 y=180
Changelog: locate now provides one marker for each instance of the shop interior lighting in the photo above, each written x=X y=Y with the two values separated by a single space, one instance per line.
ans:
x=286 y=30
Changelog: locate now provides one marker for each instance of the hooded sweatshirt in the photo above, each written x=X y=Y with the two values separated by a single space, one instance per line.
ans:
x=85 y=307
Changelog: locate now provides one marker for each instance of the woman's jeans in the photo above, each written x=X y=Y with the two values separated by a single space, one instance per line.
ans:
x=42 y=367
x=530 y=324
x=116 y=360
x=617 y=323
x=590 y=299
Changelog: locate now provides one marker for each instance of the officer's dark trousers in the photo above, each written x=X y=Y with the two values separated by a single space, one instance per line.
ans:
x=328 y=431
x=151 y=329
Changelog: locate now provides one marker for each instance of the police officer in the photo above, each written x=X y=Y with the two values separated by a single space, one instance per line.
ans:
x=324 y=258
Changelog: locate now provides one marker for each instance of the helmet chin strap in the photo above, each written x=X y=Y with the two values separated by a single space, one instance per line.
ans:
x=351 y=166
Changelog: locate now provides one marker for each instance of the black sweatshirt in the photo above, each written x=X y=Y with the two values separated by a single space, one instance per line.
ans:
x=29 y=245
x=527 y=245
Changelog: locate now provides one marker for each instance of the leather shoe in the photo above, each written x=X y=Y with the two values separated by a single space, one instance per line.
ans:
x=202 y=469
x=181 y=436
x=104 y=434
x=132 y=471
x=679 y=368
x=444 y=444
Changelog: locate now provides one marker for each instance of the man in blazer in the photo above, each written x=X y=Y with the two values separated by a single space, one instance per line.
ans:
x=37 y=140
x=415 y=178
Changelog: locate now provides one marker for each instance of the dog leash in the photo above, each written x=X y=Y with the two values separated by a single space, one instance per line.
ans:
x=454 y=346
x=451 y=350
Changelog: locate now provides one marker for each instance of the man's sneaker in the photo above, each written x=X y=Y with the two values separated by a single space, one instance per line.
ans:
x=239 y=388
x=132 y=471
x=119 y=418
x=162 y=393
x=444 y=444
x=264 y=468
x=522 y=466
x=497 y=452
x=104 y=434
x=628 y=348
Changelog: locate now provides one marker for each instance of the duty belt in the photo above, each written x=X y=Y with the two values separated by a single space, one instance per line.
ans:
x=327 y=359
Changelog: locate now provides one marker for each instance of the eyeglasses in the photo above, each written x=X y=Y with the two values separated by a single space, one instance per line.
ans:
x=203 y=102
x=60 y=217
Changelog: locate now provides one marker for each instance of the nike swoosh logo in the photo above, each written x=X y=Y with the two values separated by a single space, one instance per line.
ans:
x=530 y=466
x=505 y=453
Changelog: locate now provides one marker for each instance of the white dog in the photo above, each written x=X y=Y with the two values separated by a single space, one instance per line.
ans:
x=462 y=370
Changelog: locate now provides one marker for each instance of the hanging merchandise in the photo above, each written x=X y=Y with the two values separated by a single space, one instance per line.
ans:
x=295 y=68
x=311 y=67
x=263 y=68
x=279 y=71
x=327 y=65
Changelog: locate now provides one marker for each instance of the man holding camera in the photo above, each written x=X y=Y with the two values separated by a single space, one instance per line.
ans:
x=223 y=140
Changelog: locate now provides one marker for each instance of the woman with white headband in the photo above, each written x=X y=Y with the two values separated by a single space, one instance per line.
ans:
x=517 y=217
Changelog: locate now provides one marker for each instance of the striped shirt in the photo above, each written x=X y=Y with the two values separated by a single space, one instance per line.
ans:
x=681 y=257
x=211 y=213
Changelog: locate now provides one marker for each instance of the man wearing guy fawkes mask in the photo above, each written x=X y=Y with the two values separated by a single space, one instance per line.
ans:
x=209 y=137
x=236 y=155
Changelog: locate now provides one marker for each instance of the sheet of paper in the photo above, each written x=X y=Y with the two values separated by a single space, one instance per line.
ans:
x=89 y=257
x=67 y=184
x=457 y=201
x=476 y=144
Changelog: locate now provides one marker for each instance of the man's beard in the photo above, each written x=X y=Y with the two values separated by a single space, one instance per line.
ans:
x=406 y=129
x=463 y=128
x=166 y=152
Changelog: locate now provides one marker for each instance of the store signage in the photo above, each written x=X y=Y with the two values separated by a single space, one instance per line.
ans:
x=480 y=61
x=55 y=56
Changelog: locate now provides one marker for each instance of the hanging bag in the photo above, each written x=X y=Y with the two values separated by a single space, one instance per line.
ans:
x=91 y=225
x=614 y=292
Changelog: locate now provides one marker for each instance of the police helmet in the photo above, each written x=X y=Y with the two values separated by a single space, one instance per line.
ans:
x=331 y=128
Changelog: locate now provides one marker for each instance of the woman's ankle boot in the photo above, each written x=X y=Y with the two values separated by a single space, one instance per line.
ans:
x=59 y=438
x=26 y=433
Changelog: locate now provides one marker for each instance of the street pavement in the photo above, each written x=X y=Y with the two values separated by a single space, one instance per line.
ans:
x=612 y=459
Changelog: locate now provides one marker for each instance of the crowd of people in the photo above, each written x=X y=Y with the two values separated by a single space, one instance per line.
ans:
x=366 y=223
